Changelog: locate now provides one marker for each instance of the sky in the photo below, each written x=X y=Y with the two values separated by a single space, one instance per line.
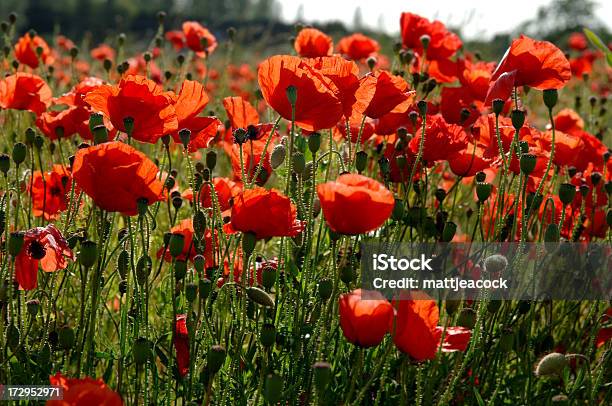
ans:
x=478 y=18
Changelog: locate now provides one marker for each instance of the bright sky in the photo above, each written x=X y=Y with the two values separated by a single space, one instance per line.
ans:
x=479 y=18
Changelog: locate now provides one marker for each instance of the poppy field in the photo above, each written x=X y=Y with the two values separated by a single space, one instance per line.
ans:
x=181 y=224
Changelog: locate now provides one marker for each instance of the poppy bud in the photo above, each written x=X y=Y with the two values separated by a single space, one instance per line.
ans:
x=347 y=274
x=495 y=263
x=422 y=106
x=19 y=153
x=107 y=64
x=30 y=135
x=322 y=375
x=552 y=364
x=550 y=98
x=5 y=163
x=571 y=171
x=371 y=61
x=483 y=191
x=425 y=40
x=268 y=276
x=278 y=156
x=215 y=358
x=449 y=231
x=33 y=306
x=299 y=163
x=383 y=163
x=211 y=159
x=180 y=269
x=15 y=243
x=291 y=94
x=128 y=124
x=141 y=350
x=273 y=388
x=267 y=334
x=398 y=210
x=12 y=18
x=314 y=142
x=498 y=106
x=66 y=337
x=440 y=195
x=248 y=243
x=518 y=119
x=143 y=269
x=527 y=163
x=170 y=182
x=260 y=296
x=567 y=191
x=198 y=263
x=89 y=253
x=595 y=178
x=191 y=292
x=13 y=337
x=467 y=318
x=204 y=286
x=325 y=288
x=584 y=190
x=551 y=235
x=123 y=262
x=361 y=160
x=177 y=202
x=176 y=244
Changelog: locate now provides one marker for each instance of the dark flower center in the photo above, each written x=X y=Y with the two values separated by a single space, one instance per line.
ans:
x=36 y=250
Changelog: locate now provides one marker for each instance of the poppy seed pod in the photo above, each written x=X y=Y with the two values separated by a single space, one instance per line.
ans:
x=371 y=61
x=33 y=306
x=518 y=119
x=448 y=232
x=5 y=163
x=259 y=296
x=248 y=243
x=440 y=195
x=273 y=388
x=15 y=243
x=199 y=222
x=498 y=106
x=107 y=64
x=198 y=263
x=267 y=335
x=527 y=163
x=314 y=142
x=185 y=137
x=567 y=191
x=191 y=292
x=268 y=276
x=584 y=190
x=550 y=98
x=425 y=40
x=467 y=318
x=552 y=233
x=299 y=163
x=325 y=288
x=422 y=106
x=176 y=244
x=141 y=350
x=278 y=156
x=128 y=123
x=483 y=191
x=143 y=269
x=292 y=94
x=89 y=253
x=596 y=178
x=215 y=358
x=552 y=364
x=100 y=134
x=361 y=160
x=19 y=153
x=322 y=375
x=398 y=210
x=205 y=287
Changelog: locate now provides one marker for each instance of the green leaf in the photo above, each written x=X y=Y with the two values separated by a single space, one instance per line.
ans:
x=479 y=398
x=599 y=44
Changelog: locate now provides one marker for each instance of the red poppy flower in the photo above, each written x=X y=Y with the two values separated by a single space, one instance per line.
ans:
x=50 y=197
x=181 y=344
x=357 y=46
x=380 y=92
x=64 y=42
x=344 y=74
x=61 y=124
x=605 y=333
x=442 y=45
x=468 y=161
x=583 y=64
x=318 y=105
x=354 y=123
x=225 y=190
x=537 y=64
x=441 y=140
x=198 y=38
x=311 y=43
x=44 y=246
x=26 y=51
x=266 y=213
x=240 y=112
x=83 y=392
x=415 y=325
x=355 y=204
x=577 y=41
x=364 y=322
x=76 y=95
x=190 y=101
x=455 y=338
x=116 y=176
x=389 y=123
x=102 y=52
x=177 y=39
x=140 y=99
x=24 y=91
